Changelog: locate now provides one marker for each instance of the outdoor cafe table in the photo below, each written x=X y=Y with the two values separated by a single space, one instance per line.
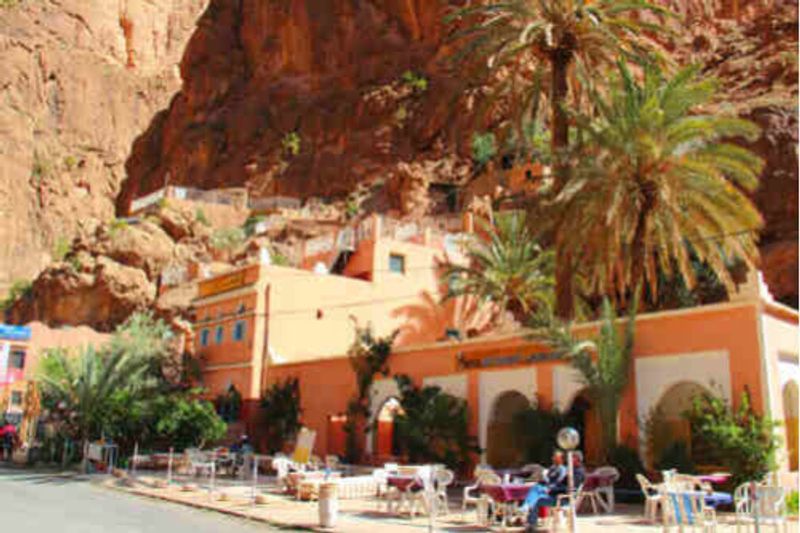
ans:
x=404 y=484
x=717 y=478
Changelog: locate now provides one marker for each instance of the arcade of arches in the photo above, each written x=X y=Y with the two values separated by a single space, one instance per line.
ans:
x=668 y=425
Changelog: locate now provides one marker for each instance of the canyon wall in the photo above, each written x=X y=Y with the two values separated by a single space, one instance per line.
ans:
x=79 y=81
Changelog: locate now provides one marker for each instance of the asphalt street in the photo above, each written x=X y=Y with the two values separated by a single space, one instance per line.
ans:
x=44 y=502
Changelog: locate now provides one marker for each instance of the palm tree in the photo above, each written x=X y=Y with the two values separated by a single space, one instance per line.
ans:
x=525 y=42
x=604 y=363
x=82 y=386
x=658 y=184
x=506 y=269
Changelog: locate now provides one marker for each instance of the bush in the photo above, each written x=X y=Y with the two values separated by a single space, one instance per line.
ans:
x=676 y=456
x=227 y=238
x=291 y=143
x=61 y=248
x=536 y=430
x=200 y=216
x=628 y=462
x=117 y=225
x=740 y=440
x=251 y=223
x=484 y=147
x=416 y=81
x=20 y=288
x=432 y=426
x=791 y=503
x=280 y=413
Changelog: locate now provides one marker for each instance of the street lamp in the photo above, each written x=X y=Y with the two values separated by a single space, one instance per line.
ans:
x=568 y=439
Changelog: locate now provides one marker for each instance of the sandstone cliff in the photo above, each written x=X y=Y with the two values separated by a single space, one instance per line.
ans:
x=79 y=80
x=313 y=98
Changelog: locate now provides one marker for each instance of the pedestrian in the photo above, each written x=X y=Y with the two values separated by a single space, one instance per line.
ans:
x=9 y=439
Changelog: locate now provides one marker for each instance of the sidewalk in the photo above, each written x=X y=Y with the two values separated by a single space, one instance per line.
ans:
x=364 y=516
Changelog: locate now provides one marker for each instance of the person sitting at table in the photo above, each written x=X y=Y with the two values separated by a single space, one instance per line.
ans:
x=544 y=494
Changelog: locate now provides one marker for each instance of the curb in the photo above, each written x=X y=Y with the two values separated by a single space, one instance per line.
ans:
x=222 y=510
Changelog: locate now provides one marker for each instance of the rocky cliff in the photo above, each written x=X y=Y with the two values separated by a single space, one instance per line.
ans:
x=311 y=98
x=79 y=81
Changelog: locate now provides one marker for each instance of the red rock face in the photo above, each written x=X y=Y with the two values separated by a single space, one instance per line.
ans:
x=330 y=71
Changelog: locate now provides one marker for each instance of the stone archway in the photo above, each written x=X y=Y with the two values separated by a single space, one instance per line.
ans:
x=668 y=424
x=503 y=449
x=384 y=445
x=790 y=408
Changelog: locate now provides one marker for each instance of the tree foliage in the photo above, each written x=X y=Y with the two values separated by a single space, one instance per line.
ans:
x=506 y=269
x=604 y=363
x=432 y=426
x=369 y=355
x=738 y=439
x=280 y=413
x=658 y=184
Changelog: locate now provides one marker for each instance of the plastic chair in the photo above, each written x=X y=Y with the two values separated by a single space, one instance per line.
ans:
x=769 y=501
x=687 y=509
x=605 y=493
x=652 y=498
x=472 y=492
x=444 y=478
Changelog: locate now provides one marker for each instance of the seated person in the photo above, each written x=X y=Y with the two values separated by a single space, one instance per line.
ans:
x=544 y=494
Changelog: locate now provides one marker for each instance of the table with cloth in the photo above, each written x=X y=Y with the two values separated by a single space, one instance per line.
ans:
x=401 y=491
x=509 y=497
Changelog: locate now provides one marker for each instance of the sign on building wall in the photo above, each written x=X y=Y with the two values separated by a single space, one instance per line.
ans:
x=15 y=333
x=5 y=349
x=223 y=283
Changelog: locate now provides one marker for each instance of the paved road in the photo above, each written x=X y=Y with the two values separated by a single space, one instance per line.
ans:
x=40 y=502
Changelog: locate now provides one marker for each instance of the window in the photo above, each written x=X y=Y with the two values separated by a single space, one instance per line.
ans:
x=204 y=335
x=16 y=397
x=397 y=263
x=17 y=359
x=238 y=330
x=242 y=309
x=219 y=334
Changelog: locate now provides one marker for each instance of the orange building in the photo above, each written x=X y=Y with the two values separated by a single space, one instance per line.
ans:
x=262 y=324
x=20 y=350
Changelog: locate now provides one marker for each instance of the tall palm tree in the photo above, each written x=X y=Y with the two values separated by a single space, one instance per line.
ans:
x=659 y=183
x=506 y=268
x=82 y=385
x=604 y=363
x=552 y=47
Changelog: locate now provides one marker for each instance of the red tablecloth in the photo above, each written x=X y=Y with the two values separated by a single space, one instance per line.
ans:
x=403 y=483
x=507 y=492
x=715 y=479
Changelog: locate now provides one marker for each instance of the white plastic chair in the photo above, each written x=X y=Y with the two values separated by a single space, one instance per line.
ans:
x=472 y=492
x=444 y=478
x=769 y=501
x=652 y=498
x=605 y=494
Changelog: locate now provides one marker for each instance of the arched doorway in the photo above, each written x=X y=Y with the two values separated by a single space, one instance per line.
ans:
x=502 y=448
x=667 y=425
x=583 y=417
x=790 y=408
x=384 y=428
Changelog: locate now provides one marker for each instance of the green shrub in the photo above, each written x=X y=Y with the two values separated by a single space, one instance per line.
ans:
x=229 y=405
x=536 y=430
x=20 y=288
x=291 y=143
x=117 y=225
x=484 y=147
x=418 y=82
x=251 y=223
x=740 y=440
x=61 y=248
x=791 y=503
x=280 y=413
x=200 y=216
x=278 y=259
x=628 y=462
x=676 y=456
x=433 y=426
x=227 y=238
